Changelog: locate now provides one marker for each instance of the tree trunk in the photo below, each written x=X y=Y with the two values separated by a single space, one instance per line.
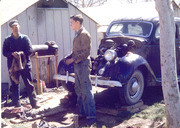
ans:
x=168 y=63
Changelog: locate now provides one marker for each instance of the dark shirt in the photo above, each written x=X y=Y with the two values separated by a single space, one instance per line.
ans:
x=22 y=43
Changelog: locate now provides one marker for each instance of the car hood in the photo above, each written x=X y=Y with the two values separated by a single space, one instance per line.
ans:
x=118 y=40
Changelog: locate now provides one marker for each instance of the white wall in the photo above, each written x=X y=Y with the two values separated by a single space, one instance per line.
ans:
x=43 y=25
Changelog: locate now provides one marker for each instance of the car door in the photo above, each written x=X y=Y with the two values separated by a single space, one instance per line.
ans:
x=178 y=48
x=155 y=53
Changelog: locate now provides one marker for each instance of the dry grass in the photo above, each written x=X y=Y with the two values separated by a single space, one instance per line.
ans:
x=156 y=112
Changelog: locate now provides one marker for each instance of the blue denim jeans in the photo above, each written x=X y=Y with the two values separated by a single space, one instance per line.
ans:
x=83 y=88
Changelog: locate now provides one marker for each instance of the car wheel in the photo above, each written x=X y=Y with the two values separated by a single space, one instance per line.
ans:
x=132 y=91
x=68 y=86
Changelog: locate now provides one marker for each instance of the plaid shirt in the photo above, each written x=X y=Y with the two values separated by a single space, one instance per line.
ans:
x=81 y=45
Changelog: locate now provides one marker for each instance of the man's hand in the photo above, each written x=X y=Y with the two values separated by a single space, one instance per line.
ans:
x=69 y=61
x=16 y=54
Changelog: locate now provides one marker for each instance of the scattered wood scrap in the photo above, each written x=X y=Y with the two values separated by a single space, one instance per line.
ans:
x=160 y=125
x=45 y=99
x=4 y=124
x=134 y=108
x=45 y=113
x=43 y=124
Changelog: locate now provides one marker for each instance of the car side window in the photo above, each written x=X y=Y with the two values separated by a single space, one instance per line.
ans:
x=157 y=33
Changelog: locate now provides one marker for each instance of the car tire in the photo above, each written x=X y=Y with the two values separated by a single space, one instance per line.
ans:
x=68 y=86
x=132 y=91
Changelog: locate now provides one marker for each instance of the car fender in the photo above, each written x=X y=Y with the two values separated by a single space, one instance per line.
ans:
x=128 y=64
x=63 y=68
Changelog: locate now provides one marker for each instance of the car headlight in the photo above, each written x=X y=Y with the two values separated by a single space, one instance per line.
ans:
x=110 y=54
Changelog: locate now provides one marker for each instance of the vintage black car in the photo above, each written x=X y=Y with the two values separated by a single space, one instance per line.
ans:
x=128 y=58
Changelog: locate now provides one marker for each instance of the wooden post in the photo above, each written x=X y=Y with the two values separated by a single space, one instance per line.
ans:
x=56 y=59
x=48 y=63
x=37 y=74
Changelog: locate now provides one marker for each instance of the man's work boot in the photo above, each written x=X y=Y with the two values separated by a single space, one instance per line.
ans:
x=91 y=122
x=36 y=106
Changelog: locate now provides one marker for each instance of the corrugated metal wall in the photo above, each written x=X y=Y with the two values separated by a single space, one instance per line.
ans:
x=41 y=25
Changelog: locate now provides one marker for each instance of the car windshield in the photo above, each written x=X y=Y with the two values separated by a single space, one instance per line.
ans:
x=134 y=28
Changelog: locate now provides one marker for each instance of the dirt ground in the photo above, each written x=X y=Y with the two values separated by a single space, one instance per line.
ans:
x=61 y=115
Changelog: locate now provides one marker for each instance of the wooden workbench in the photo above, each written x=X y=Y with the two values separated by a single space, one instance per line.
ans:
x=37 y=57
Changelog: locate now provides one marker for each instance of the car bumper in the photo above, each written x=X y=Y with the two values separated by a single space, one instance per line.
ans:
x=95 y=80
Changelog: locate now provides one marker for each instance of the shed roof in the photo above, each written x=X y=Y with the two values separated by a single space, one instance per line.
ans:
x=177 y=2
x=12 y=8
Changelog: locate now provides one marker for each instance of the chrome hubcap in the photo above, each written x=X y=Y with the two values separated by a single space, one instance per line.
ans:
x=135 y=86
x=134 y=89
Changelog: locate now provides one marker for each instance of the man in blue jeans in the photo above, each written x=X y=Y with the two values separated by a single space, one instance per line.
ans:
x=15 y=45
x=82 y=64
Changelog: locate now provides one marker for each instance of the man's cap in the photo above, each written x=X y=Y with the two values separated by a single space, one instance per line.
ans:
x=13 y=22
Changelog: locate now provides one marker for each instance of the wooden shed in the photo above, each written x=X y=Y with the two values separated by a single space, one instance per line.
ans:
x=43 y=20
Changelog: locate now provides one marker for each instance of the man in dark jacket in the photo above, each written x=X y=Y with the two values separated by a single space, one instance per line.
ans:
x=82 y=64
x=15 y=45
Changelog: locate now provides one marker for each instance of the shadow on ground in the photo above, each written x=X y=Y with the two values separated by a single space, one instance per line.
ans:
x=109 y=98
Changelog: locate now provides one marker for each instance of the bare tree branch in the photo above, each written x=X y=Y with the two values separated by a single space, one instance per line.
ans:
x=87 y=3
